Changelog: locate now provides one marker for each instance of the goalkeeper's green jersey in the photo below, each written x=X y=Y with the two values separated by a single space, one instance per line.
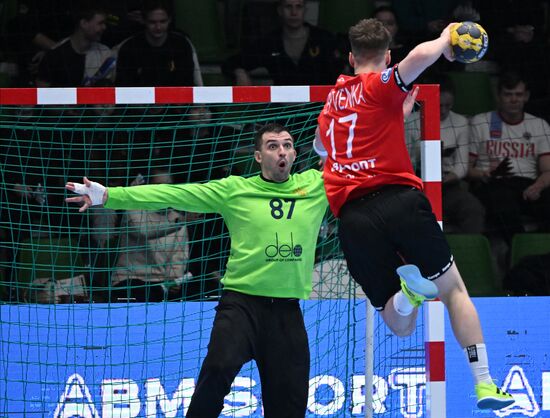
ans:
x=273 y=226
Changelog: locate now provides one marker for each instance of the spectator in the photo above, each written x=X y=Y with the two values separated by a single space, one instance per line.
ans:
x=462 y=211
x=387 y=16
x=80 y=59
x=34 y=30
x=517 y=36
x=158 y=56
x=30 y=181
x=35 y=197
x=510 y=160
x=39 y=220
x=297 y=53
x=153 y=252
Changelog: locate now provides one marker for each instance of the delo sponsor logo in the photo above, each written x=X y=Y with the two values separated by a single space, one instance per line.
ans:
x=283 y=251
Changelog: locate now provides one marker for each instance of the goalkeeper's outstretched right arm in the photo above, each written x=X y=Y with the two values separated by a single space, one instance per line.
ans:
x=92 y=193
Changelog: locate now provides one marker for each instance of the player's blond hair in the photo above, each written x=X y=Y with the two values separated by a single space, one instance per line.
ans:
x=369 y=39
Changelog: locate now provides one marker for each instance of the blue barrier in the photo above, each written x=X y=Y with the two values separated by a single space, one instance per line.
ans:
x=96 y=356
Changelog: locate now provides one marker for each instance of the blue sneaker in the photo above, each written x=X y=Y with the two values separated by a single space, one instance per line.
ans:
x=414 y=286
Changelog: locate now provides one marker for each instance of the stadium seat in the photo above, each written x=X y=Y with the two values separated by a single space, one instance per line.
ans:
x=473 y=92
x=530 y=243
x=337 y=18
x=472 y=253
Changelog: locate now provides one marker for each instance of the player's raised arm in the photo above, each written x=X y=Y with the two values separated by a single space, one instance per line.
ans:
x=424 y=55
x=92 y=193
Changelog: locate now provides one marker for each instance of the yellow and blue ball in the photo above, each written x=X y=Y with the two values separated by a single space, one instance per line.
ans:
x=469 y=42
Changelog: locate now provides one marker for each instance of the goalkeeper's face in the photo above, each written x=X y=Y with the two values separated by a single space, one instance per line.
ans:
x=276 y=155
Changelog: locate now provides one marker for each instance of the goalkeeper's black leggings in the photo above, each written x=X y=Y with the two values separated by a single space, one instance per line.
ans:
x=269 y=330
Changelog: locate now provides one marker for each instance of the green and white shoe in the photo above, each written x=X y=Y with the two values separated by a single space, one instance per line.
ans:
x=490 y=396
x=414 y=286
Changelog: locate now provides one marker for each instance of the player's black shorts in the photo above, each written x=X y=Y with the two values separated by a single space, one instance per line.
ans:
x=385 y=229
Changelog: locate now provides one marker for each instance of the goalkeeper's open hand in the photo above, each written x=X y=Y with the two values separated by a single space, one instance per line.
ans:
x=92 y=193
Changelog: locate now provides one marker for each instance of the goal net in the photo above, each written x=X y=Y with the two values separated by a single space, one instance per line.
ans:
x=108 y=314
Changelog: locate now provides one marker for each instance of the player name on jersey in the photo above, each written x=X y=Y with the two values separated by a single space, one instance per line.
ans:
x=345 y=97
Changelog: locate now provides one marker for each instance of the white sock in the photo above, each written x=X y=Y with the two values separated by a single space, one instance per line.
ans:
x=401 y=304
x=476 y=355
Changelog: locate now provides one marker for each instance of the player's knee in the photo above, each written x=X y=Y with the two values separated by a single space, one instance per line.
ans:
x=449 y=282
x=452 y=289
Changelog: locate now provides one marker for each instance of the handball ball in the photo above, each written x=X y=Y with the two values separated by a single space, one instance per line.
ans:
x=469 y=42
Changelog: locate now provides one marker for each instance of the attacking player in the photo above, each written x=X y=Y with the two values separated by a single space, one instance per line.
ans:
x=385 y=218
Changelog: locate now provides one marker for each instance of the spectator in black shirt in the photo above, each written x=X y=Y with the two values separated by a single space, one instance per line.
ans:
x=295 y=54
x=158 y=56
x=80 y=59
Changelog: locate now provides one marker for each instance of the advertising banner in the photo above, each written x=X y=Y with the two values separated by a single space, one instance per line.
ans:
x=142 y=360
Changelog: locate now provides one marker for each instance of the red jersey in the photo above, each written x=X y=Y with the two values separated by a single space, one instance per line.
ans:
x=362 y=129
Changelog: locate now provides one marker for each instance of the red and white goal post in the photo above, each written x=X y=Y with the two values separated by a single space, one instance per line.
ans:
x=430 y=170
